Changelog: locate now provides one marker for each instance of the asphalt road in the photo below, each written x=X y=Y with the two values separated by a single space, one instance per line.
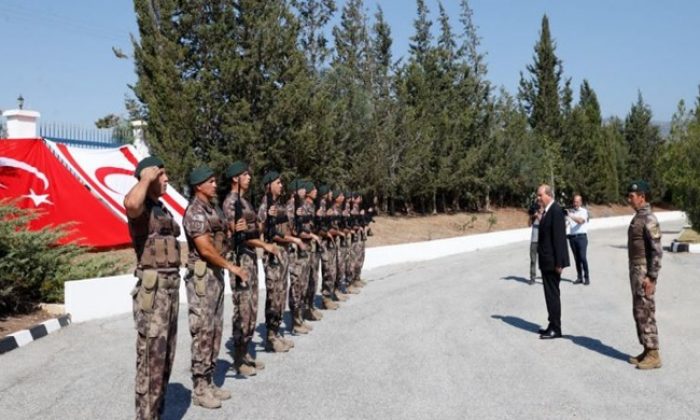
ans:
x=451 y=338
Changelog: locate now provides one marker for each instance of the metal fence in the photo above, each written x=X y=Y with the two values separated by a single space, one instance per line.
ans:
x=87 y=138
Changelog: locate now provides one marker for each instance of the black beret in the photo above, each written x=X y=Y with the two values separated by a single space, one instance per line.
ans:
x=236 y=168
x=147 y=162
x=638 y=187
x=200 y=174
x=270 y=176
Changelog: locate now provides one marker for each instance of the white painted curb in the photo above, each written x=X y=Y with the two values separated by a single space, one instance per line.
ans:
x=109 y=296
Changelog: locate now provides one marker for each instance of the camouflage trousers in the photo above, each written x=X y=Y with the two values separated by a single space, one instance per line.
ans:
x=155 y=345
x=276 y=289
x=314 y=260
x=328 y=268
x=206 y=317
x=298 y=282
x=343 y=258
x=245 y=302
x=643 y=309
x=358 y=258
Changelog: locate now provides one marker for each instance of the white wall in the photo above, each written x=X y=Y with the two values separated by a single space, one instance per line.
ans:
x=108 y=296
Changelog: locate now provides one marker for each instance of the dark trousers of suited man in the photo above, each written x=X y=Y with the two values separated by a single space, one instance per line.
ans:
x=553 y=256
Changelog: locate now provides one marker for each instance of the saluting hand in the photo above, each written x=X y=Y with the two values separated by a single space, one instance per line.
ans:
x=151 y=173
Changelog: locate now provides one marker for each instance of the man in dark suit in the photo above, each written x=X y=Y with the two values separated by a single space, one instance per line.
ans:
x=553 y=257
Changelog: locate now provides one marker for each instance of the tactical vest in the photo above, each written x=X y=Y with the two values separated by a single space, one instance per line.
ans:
x=636 y=240
x=158 y=246
x=217 y=224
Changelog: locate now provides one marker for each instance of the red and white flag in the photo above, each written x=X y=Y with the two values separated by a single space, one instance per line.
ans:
x=31 y=175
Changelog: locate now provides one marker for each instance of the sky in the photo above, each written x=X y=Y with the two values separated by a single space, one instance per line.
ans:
x=58 y=54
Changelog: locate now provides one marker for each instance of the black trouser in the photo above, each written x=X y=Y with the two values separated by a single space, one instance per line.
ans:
x=550 y=280
x=579 y=245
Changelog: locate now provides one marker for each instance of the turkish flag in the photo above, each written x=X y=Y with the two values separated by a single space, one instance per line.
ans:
x=34 y=178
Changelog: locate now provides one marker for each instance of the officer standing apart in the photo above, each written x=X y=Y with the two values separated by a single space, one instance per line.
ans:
x=156 y=295
x=207 y=239
x=242 y=220
x=644 y=248
x=553 y=257
x=577 y=219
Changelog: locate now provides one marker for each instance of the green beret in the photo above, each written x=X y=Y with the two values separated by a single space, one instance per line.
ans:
x=147 y=162
x=323 y=190
x=297 y=184
x=347 y=194
x=355 y=194
x=236 y=168
x=337 y=193
x=200 y=174
x=270 y=176
x=638 y=187
x=310 y=186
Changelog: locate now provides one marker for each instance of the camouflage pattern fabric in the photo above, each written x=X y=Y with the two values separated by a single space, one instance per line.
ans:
x=245 y=299
x=276 y=293
x=206 y=318
x=245 y=302
x=329 y=260
x=314 y=260
x=643 y=309
x=155 y=346
x=298 y=281
x=645 y=252
x=156 y=326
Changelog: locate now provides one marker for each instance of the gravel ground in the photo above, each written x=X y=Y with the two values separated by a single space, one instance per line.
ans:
x=452 y=338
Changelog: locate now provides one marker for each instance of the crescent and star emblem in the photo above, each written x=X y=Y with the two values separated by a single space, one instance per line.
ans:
x=37 y=199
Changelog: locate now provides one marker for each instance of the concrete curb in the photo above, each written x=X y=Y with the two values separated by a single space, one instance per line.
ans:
x=108 y=296
x=24 y=337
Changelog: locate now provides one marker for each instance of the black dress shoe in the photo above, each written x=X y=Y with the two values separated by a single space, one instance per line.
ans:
x=578 y=281
x=586 y=282
x=549 y=334
x=544 y=330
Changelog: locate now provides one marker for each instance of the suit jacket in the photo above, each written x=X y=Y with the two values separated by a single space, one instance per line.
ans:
x=551 y=240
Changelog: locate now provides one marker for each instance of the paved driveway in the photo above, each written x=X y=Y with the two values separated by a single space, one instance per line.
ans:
x=450 y=338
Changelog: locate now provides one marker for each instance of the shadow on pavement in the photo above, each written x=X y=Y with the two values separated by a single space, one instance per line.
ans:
x=517 y=278
x=177 y=401
x=597 y=346
x=518 y=323
x=592 y=344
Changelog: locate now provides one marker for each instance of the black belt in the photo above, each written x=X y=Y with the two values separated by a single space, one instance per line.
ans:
x=575 y=235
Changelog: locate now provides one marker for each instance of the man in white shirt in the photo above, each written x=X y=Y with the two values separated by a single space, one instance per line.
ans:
x=577 y=219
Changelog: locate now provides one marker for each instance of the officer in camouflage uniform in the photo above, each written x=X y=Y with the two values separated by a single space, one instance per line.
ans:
x=156 y=295
x=644 y=247
x=242 y=220
x=310 y=311
x=207 y=238
x=330 y=252
x=298 y=255
x=274 y=220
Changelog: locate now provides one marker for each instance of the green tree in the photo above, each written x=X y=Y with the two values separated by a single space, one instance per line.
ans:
x=166 y=97
x=644 y=144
